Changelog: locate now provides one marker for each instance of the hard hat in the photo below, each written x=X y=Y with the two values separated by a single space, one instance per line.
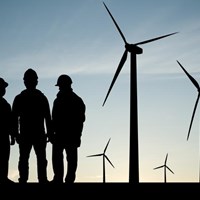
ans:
x=30 y=74
x=63 y=80
x=3 y=83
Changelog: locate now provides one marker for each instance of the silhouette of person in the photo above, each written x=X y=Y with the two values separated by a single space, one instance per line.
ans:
x=32 y=125
x=6 y=133
x=68 y=116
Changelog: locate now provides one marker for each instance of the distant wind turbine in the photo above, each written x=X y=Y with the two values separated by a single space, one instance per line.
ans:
x=165 y=169
x=133 y=49
x=104 y=157
x=197 y=100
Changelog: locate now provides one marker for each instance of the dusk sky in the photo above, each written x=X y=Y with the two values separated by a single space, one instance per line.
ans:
x=78 y=38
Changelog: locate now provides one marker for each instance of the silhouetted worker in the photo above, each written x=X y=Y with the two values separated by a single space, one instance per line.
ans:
x=32 y=123
x=6 y=133
x=68 y=115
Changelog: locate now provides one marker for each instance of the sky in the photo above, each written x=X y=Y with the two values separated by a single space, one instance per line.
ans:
x=79 y=38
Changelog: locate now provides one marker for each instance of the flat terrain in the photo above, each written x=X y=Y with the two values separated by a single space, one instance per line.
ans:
x=100 y=190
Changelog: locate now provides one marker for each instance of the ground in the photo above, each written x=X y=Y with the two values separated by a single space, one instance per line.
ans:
x=99 y=190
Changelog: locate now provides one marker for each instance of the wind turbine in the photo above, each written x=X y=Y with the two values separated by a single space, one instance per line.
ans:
x=197 y=100
x=133 y=49
x=104 y=158
x=196 y=103
x=165 y=168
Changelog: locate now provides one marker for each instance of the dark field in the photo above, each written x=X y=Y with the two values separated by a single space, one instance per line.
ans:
x=100 y=190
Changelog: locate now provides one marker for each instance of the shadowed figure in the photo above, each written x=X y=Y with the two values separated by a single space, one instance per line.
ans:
x=32 y=126
x=6 y=133
x=68 y=116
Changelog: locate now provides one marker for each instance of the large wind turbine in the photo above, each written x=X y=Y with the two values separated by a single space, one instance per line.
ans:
x=133 y=49
x=196 y=103
x=104 y=157
x=165 y=168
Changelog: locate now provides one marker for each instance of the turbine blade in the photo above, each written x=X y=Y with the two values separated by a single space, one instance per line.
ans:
x=157 y=38
x=159 y=167
x=95 y=155
x=122 y=61
x=189 y=76
x=169 y=169
x=166 y=158
x=106 y=145
x=109 y=161
x=115 y=24
x=195 y=107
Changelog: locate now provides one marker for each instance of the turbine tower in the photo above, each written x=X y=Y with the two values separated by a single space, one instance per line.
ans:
x=133 y=49
x=197 y=100
x=104 y=158
x=165 y=168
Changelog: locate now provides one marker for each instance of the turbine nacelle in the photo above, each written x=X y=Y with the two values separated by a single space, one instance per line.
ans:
x=132 y=48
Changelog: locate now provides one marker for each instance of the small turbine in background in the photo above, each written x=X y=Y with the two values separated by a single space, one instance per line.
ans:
x=104 y=158
x=165 y=168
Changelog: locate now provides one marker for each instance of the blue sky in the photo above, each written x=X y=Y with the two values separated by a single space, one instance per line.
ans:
x=79 y=38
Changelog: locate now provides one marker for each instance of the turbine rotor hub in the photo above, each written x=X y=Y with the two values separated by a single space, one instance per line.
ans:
x=133 y=49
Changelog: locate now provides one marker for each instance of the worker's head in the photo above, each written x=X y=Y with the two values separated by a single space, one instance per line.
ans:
x=30 y=78
x=64 y=81
x=3 y=85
